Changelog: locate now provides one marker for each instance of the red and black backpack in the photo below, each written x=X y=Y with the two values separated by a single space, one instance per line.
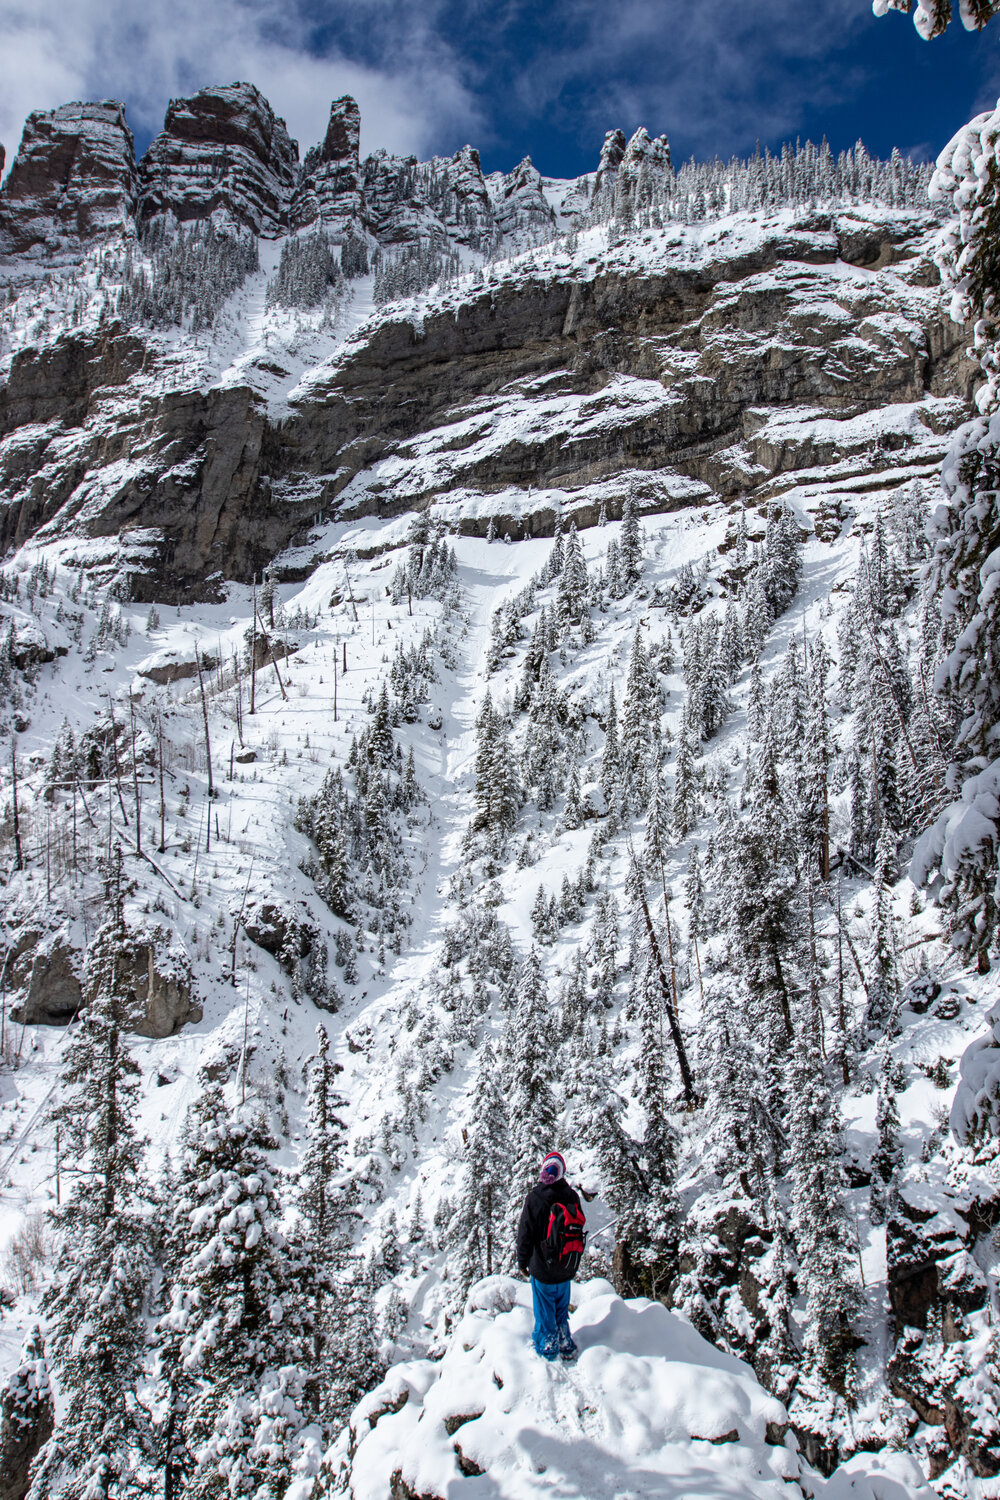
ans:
x=565 y=1240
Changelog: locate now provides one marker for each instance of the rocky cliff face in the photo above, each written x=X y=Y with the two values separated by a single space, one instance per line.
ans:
x=73 y=181
x=222 y=153
x=329 y=188
x=746 y=360
x=519 y=200
x=631 y=167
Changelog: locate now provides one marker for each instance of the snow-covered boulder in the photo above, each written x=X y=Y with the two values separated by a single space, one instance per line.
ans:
x=649 y=1408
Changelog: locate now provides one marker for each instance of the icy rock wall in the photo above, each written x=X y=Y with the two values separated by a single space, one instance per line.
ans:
x=72 y=182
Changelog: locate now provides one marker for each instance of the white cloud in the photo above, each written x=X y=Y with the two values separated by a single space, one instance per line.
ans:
x=146 y=51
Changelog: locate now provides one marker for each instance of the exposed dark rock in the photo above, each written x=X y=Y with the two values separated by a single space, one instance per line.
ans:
x=279 y=929
x=171 y=667
x=467 y=1465
x=872 y=243
x=612 y=155
x=916 y=1241
x=963 y=1289
x=54 y=993
x=980 y=1450
x=820 y=1449
x=73 y=180
x=520 y=203
x=185 y=498
x=223 y=151
x=394 y=210
x=400 y=1490
x=644 y=161
x=26 y=1418
x=53 y=976
x=452 y=1424
x=164 y=999
x=389 y=1409
x=911 y=1376
x=466 y=208
x=329 y=188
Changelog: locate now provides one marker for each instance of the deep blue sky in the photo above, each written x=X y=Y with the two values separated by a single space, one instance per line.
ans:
x=716 y=77
x=544 y=78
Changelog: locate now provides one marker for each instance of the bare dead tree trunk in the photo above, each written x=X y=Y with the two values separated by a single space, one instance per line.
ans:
x=135 y=781
x=163 y=801
x=253 y=650
x=208 y=749
x=274 y=659
x=18 y=852
x=115 y=761
x=238 y=923
x=239 y=697
x=665 y=988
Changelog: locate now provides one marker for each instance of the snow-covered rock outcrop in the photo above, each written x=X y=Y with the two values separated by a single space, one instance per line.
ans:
x=650 y=1408
x=72 y=182
x=329 y=188
x=222 y=152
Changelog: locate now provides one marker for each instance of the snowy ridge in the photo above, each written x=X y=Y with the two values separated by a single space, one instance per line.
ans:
x=650 y=1408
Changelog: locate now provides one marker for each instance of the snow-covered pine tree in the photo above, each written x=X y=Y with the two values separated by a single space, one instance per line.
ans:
x=497 y=790
x=604 y=949
x=484 y=1246
x=756 y=708
x=653 y=1248
x=639 y=742
x=232 y=1308
x=527 y=1065
x=554 y=564
x=758 y=903
x=26 y=1416
x=742 y=1139
x=611 y=766
x=685 y=802
x=881 y=974
x=574 y=585
x=543 y=741
x=631 y=545
x=322 y=1236
x=573 y=813
x=887 y=1158
x=815 y=756
x=103 y=1269
x=656 y=843
x=824 y=1236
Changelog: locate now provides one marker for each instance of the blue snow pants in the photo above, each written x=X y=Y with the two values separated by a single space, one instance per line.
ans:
x=551 y=1304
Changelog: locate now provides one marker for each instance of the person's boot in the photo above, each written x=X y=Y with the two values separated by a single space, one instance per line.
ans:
x=567 y=1348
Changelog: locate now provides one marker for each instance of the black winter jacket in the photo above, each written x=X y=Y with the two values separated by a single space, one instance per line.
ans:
x=534 y=1226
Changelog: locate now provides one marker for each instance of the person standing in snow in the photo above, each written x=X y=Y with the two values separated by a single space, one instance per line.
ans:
x=550 y=1245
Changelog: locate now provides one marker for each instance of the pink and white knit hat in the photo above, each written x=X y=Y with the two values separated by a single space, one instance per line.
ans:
x=553 y=1167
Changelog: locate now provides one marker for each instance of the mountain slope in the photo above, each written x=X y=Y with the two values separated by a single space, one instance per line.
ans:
x=531 y=684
